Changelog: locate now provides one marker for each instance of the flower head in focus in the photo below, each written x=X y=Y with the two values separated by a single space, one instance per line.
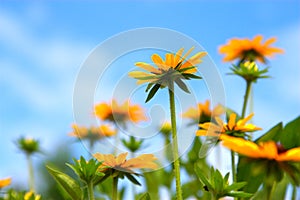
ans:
x=249 y=50
x=203 y=112
x=174 y=68
x=5 y=182
x=117 y=113
x=233 y=127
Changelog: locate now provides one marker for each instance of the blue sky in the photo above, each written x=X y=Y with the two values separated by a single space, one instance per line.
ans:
x=43 y=44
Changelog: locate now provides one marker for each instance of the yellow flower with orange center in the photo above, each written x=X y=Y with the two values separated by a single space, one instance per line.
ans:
x=120 y=113
x=163 y=73
x=246 y=49
x=119 y=163
x=203 y=112
x=233 y=127
x=5 y=182
x=265 y=150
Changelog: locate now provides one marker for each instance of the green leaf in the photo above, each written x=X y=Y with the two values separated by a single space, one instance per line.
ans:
x=218 y=180
x=186 y=69
x=190 y=76
x=145 y=196
x=272 y=134
x=291 y=134
x=68 y=183
x=178 y=65
x=239 y=194
x=149 y=86
x=202 y=178
x=132 y=179
x=152 y=92
x=235 y=186
x=182 y=85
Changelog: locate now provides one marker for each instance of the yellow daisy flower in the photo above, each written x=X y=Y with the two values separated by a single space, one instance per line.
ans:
x=231 y=128
x=120 y=163
x=31 y=194
x=246 y=49
x=203 y=112
x=5 y=182
x=98 y=132
x=120 y=113
x=174 y=68
x=266 y=150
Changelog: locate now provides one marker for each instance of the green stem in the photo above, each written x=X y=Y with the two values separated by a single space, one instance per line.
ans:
x=91 y=190
x=115 y=188
x=270 y=190
x=30 y=170
x=233 y=170
x=246 y=97
x=294 y=193
x=175 y=143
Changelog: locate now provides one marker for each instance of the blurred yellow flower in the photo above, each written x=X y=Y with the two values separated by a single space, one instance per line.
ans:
x=246 y=49
x=120 y=113
x=203 y=112
x=5 y=182
x=267 y=150
x=98 y=132
x=121 y=164
x=232 y=127
x=31 y=194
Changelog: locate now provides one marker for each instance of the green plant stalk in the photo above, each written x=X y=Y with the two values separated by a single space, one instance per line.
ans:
x=91 y=190
x=233 y=170
x=246 y=98
x=30 y=172
x=175 y=143
x=270 y=190
x=115 y=188
x=294 y=193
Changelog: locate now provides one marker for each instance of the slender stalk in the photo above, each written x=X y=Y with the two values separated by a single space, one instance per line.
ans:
x=91 y=191
x=246 y=97
x=233 y=170
x=270 y=190
x=294 y=193
x=115 y=188
x=175 y=143
x=30 y=172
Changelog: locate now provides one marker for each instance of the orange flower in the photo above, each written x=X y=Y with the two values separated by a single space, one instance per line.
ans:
x=121 y=164
x=203 y=113
x=267 y=150
x=246 y=49
x=212 y=129
x=97 y=132
x=5 y=182
x=120 y=113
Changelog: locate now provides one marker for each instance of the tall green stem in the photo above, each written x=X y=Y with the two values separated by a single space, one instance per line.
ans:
x=294 y=193
x=30 y=172
x=115 y=188
x=246 y=97
x=233 y=170
x=175 y=143
x=91 y=190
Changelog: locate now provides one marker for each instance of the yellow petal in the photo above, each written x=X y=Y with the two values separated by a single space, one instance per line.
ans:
x=147 y=67
x=231 y=122
x=159 y=62
x=290 y=155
